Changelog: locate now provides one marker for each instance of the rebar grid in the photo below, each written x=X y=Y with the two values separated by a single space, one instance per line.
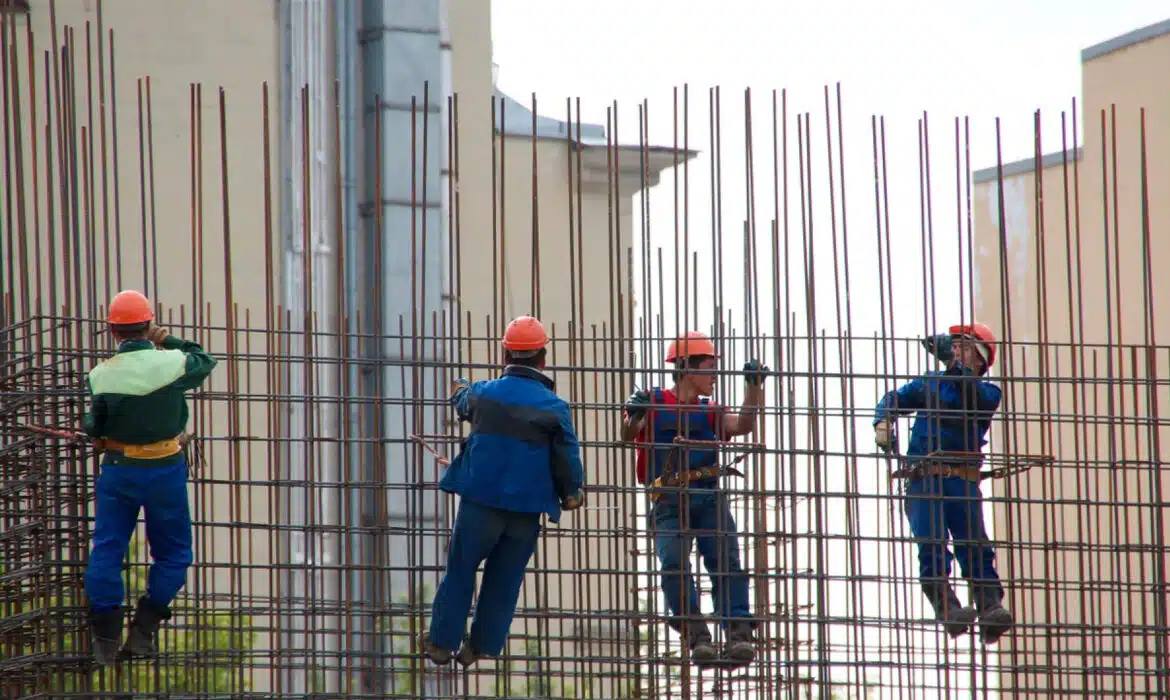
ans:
x=319 y=539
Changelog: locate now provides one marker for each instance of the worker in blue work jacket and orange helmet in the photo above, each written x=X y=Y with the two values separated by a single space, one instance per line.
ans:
x=942 y=472
x=701 y=512
x=521 y=459
x=137 y=416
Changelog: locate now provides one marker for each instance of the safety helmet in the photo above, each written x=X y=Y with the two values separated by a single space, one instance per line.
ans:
x=525 y=336
x=129 y=308
x=983 y=337
x=693 y=344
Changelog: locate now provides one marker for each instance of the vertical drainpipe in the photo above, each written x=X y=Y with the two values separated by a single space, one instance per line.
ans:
x=358 y=297
x=304 y=26
x=400 y=53
x=291 y=76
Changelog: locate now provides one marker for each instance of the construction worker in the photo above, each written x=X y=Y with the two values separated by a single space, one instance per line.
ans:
x=521 y=459
x=137 y=415
x=941 y=470
x=656 y=417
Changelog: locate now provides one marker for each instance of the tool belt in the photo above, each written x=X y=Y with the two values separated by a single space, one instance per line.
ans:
x=154 y=450
x=925 y=469
x=684 y=478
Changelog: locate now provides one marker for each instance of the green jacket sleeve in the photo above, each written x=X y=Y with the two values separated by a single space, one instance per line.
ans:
x=199 y=363
x=93 y=422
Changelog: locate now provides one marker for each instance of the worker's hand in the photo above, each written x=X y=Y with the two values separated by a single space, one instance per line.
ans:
x=636 y=405
x=457 y=384
x=883 y=435
x=157 y=334
x=957 y=369
x=941 y=346
x=754 y=372
x=575 y=501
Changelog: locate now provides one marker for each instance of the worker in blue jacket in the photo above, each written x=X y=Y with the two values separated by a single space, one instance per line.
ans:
x=954 y=411
x=521 y=459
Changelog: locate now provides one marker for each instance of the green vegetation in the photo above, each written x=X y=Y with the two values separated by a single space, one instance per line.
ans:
x=197 y=653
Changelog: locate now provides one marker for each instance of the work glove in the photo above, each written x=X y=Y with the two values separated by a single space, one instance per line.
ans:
x=941 y=346
x=754 y=372
x=457 y=384
x=574 y=502
x=884 y=436
x=157 y=334
x=958 y=369
x=637 y=404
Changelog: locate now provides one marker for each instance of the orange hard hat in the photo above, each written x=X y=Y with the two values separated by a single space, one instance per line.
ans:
x=129 y=308
x=525 y=334
x=693 y=344
x=981 y=334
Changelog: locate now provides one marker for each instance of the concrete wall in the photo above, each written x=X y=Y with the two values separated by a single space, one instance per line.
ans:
x=1080 y=578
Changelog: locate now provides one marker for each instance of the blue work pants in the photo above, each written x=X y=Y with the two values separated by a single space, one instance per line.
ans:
x=679 y=521
x=936 y=506
x=505 y=540
x=123 y=490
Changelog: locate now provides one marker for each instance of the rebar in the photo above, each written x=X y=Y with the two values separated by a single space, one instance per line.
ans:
x=307 y=582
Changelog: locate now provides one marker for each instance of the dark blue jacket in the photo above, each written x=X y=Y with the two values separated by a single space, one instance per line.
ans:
x=954 y=411
x=522 y=454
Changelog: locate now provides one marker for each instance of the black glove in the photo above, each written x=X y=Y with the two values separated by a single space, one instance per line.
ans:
x=637 y=403
x=941 y=346
x=754 y=373
x=574 y=502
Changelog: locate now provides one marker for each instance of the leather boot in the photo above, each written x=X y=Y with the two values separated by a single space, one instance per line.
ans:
x=105 y=633
x=994 y=619
x=698 y=640
x=437 y=654
x=740 y=647
x=143 y=637
x=956 y=618
x=469 y=654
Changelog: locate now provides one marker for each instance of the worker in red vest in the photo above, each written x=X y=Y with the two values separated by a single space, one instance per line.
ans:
x=701 y=513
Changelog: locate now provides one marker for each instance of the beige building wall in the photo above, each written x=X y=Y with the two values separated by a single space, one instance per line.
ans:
x=1071 y=271
x=176 y=44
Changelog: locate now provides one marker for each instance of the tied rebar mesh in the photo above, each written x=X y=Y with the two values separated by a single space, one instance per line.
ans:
x=320 y=539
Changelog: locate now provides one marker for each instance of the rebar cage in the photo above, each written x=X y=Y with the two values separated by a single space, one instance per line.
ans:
x=320 y=532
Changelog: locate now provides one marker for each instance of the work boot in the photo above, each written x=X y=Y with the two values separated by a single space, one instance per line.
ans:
x=956 y=618
x=105 y=632
x=740 y=647
x=437 y=654
x=698 y=640
x=468 y=654
x=994 y=619
x=143 y=637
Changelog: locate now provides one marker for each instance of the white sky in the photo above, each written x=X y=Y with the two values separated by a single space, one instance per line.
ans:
x=1002 y=58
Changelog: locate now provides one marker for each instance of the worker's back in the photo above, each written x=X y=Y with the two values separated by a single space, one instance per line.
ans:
x=139 y=392
x=522 y=451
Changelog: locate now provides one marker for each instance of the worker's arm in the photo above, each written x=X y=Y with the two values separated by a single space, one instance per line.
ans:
x=199 y=363
x=567 y=471
x=634 y=415
x=908 y=398
x=463 y=398
x=93 y=423
x=745 y=421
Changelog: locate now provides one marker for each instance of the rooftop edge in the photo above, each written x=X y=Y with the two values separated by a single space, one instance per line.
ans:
x=1126 y=40
x=1026 y=165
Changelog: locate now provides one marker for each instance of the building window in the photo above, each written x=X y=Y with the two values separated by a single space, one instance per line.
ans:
x=14 y=6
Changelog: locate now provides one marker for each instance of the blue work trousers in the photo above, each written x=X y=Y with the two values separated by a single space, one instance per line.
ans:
x=123 y=490
x=505 y=540
x=936 y=506
x=679 y=522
